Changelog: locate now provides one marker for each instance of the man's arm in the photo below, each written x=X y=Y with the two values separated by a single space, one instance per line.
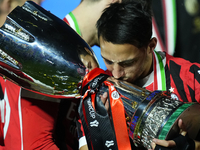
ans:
x=84 y=147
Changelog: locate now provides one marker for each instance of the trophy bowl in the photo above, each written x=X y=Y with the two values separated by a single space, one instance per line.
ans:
x=41 y=53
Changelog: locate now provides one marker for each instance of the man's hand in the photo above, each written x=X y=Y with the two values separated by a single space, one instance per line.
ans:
x=104 y=99
x=189 y=144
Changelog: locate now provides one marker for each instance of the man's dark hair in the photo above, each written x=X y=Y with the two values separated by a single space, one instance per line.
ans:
x=127 y=22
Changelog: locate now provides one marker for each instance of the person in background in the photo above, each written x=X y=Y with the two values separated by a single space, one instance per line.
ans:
x=170 y=19
x=84 y=17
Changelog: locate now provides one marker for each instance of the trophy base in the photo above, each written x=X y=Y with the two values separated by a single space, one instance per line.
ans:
x=162 y=123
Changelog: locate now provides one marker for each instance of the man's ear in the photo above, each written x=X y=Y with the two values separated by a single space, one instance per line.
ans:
x=152 y=44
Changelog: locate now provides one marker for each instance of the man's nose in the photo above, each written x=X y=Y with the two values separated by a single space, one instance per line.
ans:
x=118 y=71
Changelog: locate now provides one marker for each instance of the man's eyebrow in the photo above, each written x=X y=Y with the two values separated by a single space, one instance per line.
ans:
x=120 y=62
x=105 y=58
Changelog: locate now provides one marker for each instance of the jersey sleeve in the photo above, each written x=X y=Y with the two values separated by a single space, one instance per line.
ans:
x=195 y=94
x=26 y=123
x=81 y=134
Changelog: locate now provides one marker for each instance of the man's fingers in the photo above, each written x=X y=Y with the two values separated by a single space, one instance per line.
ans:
x=182 y=127
x=153 y=145
x=180 y=124
x=164 y=143
x=183 y=133
x=107 y=105
x=104 y=99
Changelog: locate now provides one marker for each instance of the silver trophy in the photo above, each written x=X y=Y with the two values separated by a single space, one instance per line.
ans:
x=155 y=114
x=41 y=53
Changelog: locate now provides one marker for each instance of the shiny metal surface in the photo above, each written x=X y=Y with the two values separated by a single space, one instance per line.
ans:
x=40 y=52
x=154 y=121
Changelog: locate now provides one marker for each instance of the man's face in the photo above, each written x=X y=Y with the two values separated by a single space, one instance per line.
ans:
x=126 y=61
